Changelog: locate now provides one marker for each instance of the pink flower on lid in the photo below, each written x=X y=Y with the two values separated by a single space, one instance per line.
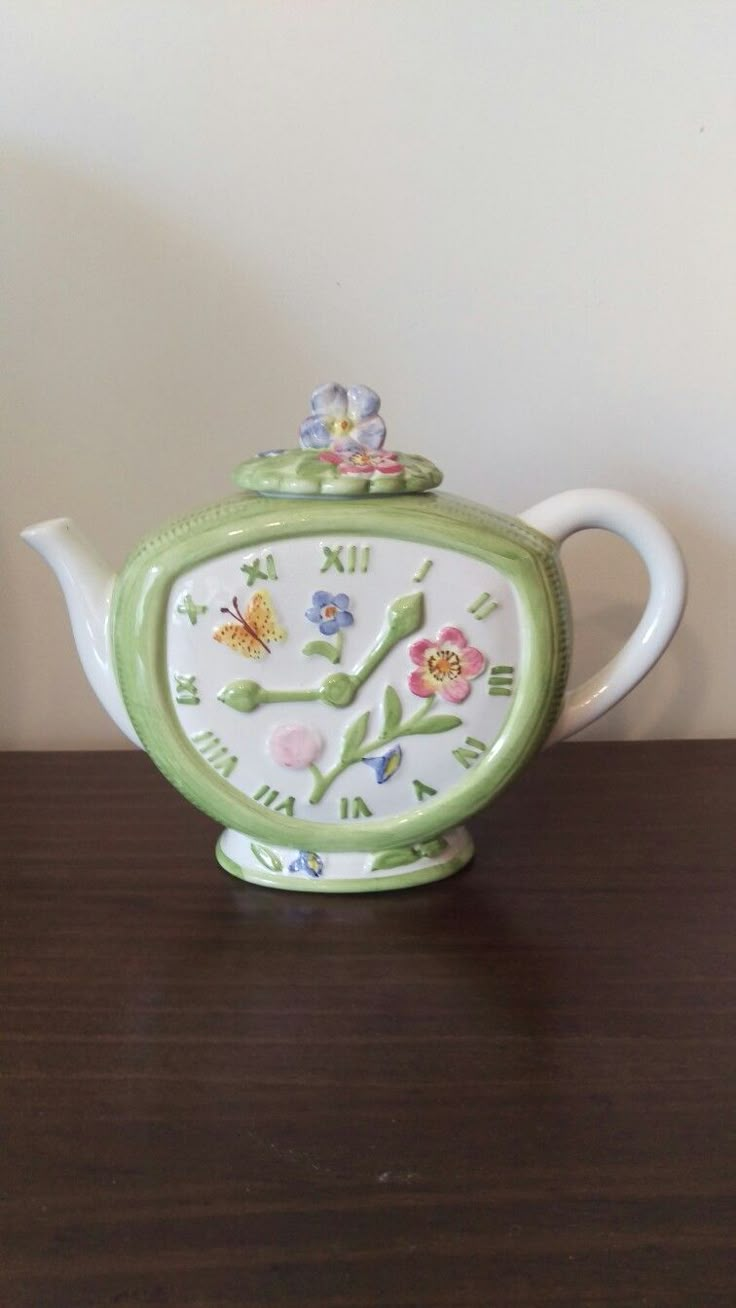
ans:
x=354 y=461
x=295 y=745
x=445 y=666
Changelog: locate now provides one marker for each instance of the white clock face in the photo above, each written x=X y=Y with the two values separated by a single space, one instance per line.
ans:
x=347 y=679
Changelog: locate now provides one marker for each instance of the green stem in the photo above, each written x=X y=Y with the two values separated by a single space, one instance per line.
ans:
x=323 y=780
x=326 y=649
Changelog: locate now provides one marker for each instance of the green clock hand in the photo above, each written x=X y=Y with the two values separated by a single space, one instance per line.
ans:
x=404 y=616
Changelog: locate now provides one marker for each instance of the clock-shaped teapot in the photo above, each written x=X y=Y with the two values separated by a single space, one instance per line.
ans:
x=342 y=664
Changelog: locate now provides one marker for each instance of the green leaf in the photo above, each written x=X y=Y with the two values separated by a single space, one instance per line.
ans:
x=354 y=736
x=241 y=695
x=394 y=858
x=406 y=614
x=324 y=648
x=267 y=858
x=432 y=726
x=391 y=711
x=305 y=463
x=431 y=847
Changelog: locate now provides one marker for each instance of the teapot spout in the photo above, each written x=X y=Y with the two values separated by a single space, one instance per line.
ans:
x=87 y=583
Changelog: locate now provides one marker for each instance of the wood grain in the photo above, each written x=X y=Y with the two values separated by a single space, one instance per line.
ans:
x=516 y=1087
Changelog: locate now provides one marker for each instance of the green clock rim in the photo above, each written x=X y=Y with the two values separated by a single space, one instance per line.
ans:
x=526 y=557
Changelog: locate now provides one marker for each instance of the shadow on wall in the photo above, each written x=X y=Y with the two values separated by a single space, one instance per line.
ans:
x=141 y=365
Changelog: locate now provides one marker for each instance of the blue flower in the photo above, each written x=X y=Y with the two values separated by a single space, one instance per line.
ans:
x=330 y=611
x=343 y=419
x=308 y=864
x=385 y=765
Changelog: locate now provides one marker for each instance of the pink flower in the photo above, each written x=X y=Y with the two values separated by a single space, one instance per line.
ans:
x=295 y=745
x=445 y=666
x=356 y=461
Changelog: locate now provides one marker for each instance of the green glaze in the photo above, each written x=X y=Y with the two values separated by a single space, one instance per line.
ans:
x=303 y=472
x=187 y=606
x=249 y=523
x=326 y=649
x=261 y=876
x=483 y=606
x=408 y=854
x=354 y=561
x=422 y=570
x=354 y=746
x=253 y=572
x=268 y=858
x=244 y=696
x=501 y=680
x=186 y=688
x=267 y=796
x=214 y=752
x=470 y=752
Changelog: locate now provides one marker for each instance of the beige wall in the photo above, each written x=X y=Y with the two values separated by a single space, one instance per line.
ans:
x=515 y=220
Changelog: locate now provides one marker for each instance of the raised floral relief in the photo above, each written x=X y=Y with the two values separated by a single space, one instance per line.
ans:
x=363 y=463
x=445 y=666
x=343 y=416
x=330 y=612
x=355 y=748
x=340 y=453
x=295 y=745
x=385 y=765
x=307 y=863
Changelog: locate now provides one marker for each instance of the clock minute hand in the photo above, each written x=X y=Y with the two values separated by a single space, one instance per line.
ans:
x=404 y=616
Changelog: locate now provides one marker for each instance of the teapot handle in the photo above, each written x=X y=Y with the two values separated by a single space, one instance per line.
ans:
x=563 y=515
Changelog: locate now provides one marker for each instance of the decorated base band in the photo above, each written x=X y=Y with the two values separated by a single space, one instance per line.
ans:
x=344 y=873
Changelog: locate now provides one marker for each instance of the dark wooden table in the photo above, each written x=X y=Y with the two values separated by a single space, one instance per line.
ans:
x=515 y=1087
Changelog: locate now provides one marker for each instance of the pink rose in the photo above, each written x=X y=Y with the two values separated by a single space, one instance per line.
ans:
x=295 y=745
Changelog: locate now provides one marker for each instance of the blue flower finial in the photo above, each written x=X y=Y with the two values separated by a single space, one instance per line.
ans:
x=343 y=419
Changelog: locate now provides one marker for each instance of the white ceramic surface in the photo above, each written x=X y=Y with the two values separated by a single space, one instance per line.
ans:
x=192 y=651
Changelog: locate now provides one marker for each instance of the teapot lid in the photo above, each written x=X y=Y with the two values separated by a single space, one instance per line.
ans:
x=340 y=453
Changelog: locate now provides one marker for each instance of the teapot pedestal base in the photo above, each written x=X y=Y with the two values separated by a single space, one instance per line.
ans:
x=344 y=873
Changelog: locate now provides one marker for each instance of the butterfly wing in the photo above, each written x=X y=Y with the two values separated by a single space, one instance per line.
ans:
x=261 y=616
x=236 y=637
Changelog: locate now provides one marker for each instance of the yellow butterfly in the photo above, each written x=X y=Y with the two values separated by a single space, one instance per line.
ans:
x=250 y=635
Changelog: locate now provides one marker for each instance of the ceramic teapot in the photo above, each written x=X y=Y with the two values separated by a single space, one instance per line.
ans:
x=341 y=665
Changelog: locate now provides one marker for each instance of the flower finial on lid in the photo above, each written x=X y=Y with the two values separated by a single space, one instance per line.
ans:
x=343 y=419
